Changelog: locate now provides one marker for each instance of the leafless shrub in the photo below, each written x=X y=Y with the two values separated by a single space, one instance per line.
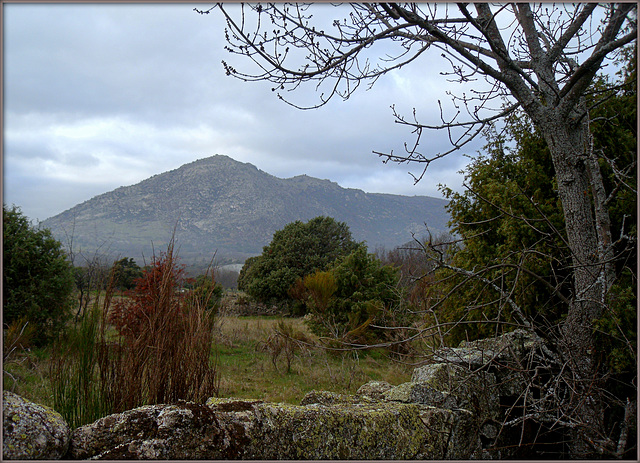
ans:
x=285 y=340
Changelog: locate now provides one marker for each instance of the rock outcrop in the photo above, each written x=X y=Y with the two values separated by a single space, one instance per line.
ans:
x=253 y=430
x=451 y=409
x=504 y=356
x=31 y=431
x=157 y=432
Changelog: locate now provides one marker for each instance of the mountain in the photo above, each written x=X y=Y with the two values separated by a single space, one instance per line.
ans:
x=221 y=204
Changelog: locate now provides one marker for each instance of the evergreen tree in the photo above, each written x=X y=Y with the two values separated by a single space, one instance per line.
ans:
x=295 y=251
x=512 y=225
x=37 y=279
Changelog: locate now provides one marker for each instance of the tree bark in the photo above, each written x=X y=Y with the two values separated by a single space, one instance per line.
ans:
x=569 y=152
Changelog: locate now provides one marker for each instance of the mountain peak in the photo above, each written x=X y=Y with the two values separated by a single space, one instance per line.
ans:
x=220 y=204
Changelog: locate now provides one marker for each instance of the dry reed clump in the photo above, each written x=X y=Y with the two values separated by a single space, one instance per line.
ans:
x=160 y=353
x=164 y=350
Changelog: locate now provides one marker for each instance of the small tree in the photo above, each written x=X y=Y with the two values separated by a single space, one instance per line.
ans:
x=295 y=251
x=127 y=272
x=37 y=279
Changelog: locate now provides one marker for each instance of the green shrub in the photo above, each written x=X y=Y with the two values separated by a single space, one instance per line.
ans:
x=37 y=279
x=78 y=394
x=355 y=294
x=297 y=250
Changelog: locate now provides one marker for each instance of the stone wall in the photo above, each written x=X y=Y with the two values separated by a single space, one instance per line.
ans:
x=449 y=410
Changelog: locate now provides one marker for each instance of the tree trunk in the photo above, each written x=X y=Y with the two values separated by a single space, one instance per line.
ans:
x=569 y=152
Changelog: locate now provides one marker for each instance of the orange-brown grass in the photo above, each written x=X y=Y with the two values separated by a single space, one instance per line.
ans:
x=163 y=353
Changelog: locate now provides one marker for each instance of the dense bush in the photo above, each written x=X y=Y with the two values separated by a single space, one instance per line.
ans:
x=297 y=250
x=513 y=226
x=37 y=279
x=354 y=300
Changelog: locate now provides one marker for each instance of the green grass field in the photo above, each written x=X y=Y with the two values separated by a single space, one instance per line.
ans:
x=246 y=363
x=247 y=368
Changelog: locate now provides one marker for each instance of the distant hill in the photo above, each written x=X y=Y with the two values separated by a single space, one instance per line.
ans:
x=221 y=204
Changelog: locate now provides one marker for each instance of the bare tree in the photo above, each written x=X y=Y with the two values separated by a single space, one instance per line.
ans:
x=90 y=270
x=540 y=58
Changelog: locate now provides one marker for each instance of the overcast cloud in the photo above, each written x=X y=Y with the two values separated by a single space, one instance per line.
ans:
x=101 y=96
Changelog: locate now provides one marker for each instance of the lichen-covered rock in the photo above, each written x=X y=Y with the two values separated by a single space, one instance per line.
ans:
x=493 y=354
x=332 y=398
x=516 y=343
x=330 y=426
x=374 y=390
x=422 y=394
x=462 y=437
x=452 y=387
x=157 y=432
x=477 y=354
x=340 y=432
x=238 y=429
x=346 y=429
x=31 y=431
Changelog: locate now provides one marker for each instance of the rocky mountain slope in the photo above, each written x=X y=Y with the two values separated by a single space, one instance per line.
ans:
x=221 y=204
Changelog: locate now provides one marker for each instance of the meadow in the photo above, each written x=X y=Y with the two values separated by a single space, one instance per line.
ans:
x=252 y=362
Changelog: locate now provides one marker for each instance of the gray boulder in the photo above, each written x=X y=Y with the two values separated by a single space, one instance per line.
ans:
x=511 y=346
x=459 y=387
x=346 y=430
x=332 y=398
x=336 y=428
x=157 y=432
x=451 y=387
x=31 y=431
x=374 y=390
x=503 y=355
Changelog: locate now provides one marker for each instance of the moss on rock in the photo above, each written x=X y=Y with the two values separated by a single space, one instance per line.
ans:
x=31 y=431
x=333 y=398
x=343 y=431
x=237 y=429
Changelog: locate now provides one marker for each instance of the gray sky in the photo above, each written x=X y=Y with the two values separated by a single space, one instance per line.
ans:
x=101 y=96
